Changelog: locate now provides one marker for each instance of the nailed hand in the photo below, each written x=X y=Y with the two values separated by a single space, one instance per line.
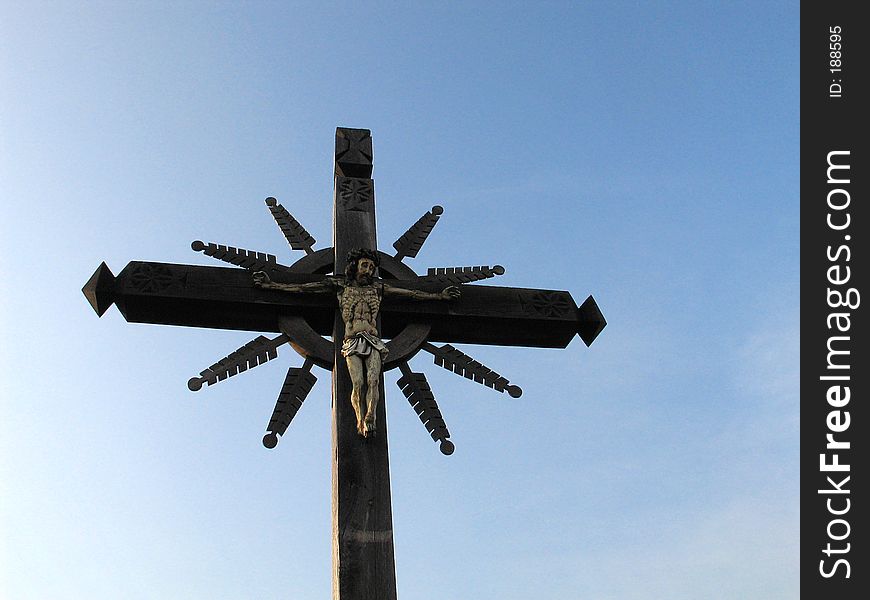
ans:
x=261 y=278
x=451 y=293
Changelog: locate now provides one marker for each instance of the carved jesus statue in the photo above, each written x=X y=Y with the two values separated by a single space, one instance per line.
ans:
x=359 y=299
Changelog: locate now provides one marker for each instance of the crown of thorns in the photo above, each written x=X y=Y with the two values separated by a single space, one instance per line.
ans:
x=353 y=258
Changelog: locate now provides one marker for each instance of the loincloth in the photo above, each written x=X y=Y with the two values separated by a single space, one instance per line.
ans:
x=362 y=344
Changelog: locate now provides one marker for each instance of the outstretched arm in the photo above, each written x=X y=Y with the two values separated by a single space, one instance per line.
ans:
x=262 y=281
x=449 y=293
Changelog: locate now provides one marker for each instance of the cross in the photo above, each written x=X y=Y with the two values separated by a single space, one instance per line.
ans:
x=226 y=298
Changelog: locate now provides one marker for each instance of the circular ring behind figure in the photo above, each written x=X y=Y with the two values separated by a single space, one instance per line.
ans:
x=319 y=262
x=309 y=344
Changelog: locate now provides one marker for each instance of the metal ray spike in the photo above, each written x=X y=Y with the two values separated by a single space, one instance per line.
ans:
x=460 y=363
x=297 y=385
x=416 y=389
x=256 y=352
x=412 y=240
x=460 y=274
x=297 y=236
x=249 y=259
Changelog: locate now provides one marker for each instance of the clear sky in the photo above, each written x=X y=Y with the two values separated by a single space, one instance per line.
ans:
x=646 y=153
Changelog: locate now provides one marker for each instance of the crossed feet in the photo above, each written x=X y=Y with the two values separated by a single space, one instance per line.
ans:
x=366 y=427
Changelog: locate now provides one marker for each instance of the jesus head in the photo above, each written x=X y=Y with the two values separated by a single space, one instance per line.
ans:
x=361 y=265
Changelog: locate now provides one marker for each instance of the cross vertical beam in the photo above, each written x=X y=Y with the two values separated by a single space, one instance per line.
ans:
x=363 y=562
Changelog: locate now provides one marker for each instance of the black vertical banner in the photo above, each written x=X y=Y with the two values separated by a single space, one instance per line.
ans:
x=835 y=370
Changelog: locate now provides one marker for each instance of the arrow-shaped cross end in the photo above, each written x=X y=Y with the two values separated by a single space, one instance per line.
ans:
x=100 y=289
x=591 y=321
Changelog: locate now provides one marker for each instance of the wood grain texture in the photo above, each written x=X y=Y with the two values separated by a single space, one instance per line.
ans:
x=362 y=518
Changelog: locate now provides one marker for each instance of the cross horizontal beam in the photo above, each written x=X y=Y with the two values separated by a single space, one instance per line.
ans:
x=224 y=298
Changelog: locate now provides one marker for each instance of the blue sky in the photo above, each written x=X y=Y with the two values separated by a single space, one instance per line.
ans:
x=644 y=153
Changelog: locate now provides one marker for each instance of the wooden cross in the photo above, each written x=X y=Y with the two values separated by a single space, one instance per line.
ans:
x=224 y=298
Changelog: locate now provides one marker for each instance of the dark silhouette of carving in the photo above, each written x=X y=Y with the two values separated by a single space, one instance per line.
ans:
x=460 y=363
x=297 y=384
x=412 y=240
x=461 y=274
x=293 y=231
x=416 y=389
x=248 y=259
x=256 y=352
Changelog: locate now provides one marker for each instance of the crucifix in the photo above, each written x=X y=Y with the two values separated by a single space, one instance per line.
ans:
x=360 y=297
